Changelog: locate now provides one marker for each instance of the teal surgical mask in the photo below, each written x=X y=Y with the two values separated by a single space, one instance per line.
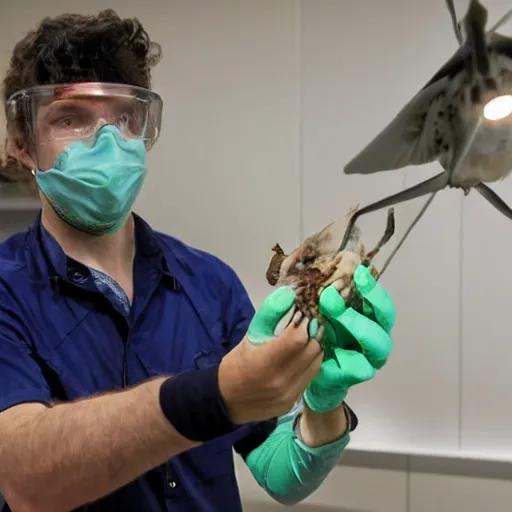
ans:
x=93 y=188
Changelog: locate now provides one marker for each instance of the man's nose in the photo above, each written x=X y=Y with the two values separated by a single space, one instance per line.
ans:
x=102 y=121
x=90 y=139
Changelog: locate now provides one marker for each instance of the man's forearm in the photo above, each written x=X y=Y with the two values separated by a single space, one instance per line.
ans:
x=319 y=429
x=55 y=459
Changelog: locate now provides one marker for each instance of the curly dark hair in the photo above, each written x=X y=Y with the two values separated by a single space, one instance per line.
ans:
x=73 y=47
x=77 y=48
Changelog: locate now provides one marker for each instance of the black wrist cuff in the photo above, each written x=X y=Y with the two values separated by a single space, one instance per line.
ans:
x=352 y=419
x=192 y=403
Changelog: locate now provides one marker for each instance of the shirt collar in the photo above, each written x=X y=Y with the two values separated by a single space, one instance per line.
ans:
x=45 y=251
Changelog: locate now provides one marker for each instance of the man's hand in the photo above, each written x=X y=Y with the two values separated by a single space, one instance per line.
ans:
x=361 y=344
x=260 y=380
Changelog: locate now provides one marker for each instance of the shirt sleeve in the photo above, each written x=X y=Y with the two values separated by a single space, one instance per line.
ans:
x=21 y=377
x=238 y=310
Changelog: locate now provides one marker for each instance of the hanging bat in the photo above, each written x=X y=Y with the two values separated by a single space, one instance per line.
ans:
x=318 y=263
x=444 y=122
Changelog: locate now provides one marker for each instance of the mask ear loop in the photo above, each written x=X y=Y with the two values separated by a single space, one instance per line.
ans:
x=34 y=170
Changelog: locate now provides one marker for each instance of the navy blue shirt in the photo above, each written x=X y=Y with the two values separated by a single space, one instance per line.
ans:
x=68 y=332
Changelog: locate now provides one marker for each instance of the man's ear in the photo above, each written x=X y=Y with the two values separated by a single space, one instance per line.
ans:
x=18 y=149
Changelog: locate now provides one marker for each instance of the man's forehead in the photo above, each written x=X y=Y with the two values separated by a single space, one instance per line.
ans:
x=70 y=91
x=84 y=94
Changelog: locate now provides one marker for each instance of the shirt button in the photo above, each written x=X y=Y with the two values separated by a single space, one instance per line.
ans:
x=77 y=276
x=172 y=485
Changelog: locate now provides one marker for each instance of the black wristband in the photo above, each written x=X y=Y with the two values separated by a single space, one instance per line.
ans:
x=192 y=403
x=352 y=419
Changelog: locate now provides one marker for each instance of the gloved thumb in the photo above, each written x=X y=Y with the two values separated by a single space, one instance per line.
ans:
x=274 y=314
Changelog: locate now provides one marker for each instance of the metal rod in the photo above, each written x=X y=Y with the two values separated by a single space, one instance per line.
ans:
x=409 y=229
x=500 y=22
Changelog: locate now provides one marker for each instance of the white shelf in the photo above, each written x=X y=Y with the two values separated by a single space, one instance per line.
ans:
x=500 y=457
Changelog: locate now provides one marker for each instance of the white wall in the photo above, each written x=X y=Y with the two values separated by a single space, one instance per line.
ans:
x=264 y=103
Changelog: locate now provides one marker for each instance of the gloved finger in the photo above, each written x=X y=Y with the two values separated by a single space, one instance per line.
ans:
x=328 y=334
x=377 y=300
x=375 y=342
x=353 y=369
x=315 y=330
x=328 y=339
x=275 y=313
x=284 y=322
x=331 y=304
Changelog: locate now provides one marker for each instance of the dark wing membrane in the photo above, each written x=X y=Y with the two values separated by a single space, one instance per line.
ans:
x=401 y=143
x=454 y=65
x=404 y=141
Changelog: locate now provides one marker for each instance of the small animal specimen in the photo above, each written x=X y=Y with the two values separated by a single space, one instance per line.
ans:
x=318 y=263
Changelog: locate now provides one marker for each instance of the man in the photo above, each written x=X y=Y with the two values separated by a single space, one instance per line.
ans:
x=130 y=363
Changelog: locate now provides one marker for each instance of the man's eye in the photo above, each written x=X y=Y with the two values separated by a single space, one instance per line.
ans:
x=131 y=121
x=124 y=118
x=65 y=122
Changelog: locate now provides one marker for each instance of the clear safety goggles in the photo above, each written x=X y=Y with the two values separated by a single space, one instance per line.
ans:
x=55 y=113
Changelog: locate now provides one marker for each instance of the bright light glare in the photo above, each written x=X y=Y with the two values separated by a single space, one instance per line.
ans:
x=498 y=108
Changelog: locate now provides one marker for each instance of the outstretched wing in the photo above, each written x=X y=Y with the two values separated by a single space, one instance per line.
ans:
x=409 y=138
x=405 y=141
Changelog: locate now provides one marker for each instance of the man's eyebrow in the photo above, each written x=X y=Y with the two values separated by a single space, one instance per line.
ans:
x=66 y=107
x=121 y=102
x=60 y=107
x=63 y=107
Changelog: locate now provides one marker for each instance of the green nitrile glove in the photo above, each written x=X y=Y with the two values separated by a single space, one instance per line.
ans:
x=273 y=316
x=360 y=343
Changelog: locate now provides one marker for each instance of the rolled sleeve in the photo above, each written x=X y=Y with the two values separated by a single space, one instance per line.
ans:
x=21 y=379
x=238 y=309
